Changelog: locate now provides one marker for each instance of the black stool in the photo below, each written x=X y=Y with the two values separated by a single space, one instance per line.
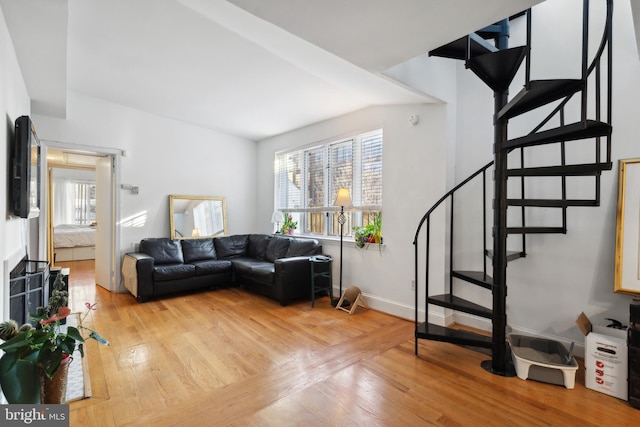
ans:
x=321 y=269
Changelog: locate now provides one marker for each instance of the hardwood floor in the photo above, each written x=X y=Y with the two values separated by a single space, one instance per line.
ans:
x=229 y=357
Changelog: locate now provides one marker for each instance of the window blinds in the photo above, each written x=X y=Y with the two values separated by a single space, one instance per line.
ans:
x=308 y=180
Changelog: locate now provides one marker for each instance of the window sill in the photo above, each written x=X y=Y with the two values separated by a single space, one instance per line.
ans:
x=348 y=242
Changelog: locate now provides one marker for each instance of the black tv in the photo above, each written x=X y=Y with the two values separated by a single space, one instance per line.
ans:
x=25 y=170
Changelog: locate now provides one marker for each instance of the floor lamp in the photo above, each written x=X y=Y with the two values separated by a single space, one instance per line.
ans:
x=343 y=199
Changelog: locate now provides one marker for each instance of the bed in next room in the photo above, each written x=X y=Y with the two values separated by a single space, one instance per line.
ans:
x=72 y=242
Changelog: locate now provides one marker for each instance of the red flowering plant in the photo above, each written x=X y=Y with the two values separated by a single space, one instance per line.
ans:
x=53 y=343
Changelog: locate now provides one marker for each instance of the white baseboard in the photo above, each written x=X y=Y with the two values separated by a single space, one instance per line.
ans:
x=448 y=317
x=407 y=311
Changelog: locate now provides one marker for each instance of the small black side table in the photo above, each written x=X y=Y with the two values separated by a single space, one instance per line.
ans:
x=321 y=266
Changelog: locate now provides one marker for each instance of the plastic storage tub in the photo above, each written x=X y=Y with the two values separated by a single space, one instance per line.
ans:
x=543 y=360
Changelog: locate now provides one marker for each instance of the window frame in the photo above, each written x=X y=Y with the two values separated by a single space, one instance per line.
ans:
x=293 y=172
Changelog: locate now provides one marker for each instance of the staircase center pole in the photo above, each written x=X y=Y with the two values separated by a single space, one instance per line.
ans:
x=499 y=345
x=498 y=363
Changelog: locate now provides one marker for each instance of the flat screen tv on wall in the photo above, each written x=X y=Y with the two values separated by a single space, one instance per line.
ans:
x=25 y=170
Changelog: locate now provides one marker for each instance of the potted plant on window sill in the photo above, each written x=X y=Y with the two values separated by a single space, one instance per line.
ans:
x=289 y=225
x=370 y=233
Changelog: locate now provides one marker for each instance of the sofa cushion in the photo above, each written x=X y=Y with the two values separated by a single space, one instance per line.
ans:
x=198 y=249
x=257 y=247
x=206 y=267
x=231 y=246
x=302 y=247
x=263 y=271
x=277 y=248
x=162 y=250
x=172 y=272
x=243 y=265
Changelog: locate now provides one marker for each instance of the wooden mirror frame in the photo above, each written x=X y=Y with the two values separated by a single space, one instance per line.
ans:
x=627 y=261
x=181 y=205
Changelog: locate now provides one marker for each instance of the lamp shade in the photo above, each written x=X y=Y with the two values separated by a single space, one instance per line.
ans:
x=195 y=232
x=276 y=217
x=343 y=198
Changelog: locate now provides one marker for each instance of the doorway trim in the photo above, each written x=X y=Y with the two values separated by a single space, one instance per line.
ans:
x=115 y=155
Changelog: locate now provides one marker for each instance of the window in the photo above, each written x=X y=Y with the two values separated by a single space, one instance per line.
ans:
x=74 y=202
x=307 y=182
x=84 y=202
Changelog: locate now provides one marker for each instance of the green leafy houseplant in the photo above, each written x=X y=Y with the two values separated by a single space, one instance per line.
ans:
x=48 y=341
x=288 y=224
x=59 y=298
x=370 y=233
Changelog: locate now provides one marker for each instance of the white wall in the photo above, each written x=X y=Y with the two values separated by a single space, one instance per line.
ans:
x=414 y=177
x=164 y=157
x=562 y=275
x=437 y=77
x=14 y=102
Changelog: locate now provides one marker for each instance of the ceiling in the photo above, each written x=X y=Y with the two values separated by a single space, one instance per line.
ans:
x=251 y=68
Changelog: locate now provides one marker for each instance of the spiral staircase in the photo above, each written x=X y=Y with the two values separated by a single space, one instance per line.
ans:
x=586 y=100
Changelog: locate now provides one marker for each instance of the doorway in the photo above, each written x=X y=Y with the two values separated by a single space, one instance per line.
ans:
x=80 y=206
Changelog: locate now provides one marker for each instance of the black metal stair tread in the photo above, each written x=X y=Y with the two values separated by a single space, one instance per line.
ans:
x=571 y=132
x=475 y=277
x=536 y=230
x=511 y=255
x=455 y=336
x=587 y=169
x=457 y=49
x=459 y=304
x=552 y=203
x=539 y=92
x=497 y=69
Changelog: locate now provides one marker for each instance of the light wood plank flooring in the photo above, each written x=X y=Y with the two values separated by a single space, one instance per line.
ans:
x=229 y=357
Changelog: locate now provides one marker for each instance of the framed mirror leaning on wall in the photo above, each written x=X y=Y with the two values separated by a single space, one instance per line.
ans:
x=627 y=262
x=194 y=217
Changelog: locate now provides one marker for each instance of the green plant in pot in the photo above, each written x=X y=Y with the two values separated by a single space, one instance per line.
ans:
x=59 y=298
x=19 y=376
x=289 y=224
x=370 y=233
x=48 y=346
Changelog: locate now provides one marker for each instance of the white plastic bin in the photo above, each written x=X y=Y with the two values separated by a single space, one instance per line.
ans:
x=543 y=360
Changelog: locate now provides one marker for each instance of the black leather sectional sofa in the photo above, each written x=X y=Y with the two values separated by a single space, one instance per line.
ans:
x=272 y=265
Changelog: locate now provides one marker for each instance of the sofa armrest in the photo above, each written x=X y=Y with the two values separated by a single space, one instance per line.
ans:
x=292 y=279
x=137 y=271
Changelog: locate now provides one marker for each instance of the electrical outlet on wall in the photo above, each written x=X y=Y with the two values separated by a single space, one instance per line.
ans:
x=413 y=284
